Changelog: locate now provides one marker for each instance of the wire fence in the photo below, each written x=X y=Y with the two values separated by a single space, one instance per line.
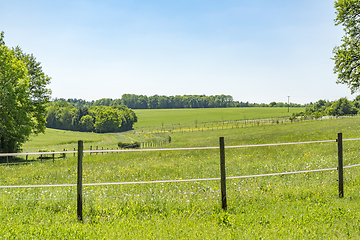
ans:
x=176 y=180
x=223 y=178
x=170 y=149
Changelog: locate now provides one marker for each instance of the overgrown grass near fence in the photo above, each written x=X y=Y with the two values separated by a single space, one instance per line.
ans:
x=299 y=206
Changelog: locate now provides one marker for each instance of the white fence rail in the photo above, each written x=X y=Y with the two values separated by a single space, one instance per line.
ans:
x=223 y=178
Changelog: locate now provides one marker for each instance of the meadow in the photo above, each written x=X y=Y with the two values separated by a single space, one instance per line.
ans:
x=158 y=117
x=299 y=206
x=151 y=121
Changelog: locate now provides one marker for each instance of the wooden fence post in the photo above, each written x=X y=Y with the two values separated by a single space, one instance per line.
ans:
x=26 y=159
x=223 y=176
x=74 y=152
x=79 y=181
x=340 y=165
x=53 y=157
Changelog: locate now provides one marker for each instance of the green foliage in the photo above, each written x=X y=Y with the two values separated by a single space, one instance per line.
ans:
x=23 y=95
x=272 y=104
x=346 y=55
x=63 y=115
x=342 y=107
x=128 y=144
x=86 y=123
x=108 y=121
x=168 y=102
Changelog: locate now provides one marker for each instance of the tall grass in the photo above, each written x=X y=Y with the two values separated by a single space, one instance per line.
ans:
x=299 y=206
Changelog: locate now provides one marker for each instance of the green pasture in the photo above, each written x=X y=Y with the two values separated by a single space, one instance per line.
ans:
x=158 y=117
x=54 y=139
x=156 y=120
x=299 y=206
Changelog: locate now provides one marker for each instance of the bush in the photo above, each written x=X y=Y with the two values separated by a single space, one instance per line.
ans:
x=129 y=145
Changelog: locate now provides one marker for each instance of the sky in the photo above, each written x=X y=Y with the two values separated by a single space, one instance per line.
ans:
x=257 y=51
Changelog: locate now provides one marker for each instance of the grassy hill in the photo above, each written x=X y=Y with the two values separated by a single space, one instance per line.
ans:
x=150 y=120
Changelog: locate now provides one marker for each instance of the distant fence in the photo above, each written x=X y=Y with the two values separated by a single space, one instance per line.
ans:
x=222 y=178
x=52 y=155
x=227 y=124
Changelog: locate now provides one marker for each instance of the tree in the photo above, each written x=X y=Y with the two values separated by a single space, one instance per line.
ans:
x=23 y=95
x=108 y=121
x=87 y=123
x=347 y=55
x=342 y=107
x=272 y=104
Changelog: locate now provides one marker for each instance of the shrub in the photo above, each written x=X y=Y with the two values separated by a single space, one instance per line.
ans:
x=129 y=145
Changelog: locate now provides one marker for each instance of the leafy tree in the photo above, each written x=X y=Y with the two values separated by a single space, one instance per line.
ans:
x=23 y=95
x=346 y=56
x=86 y=123
x=153 y=102
x=163 y=102
x=272 y=104
x=103 y=102
x=78 y=114
x=342 y=107
x=108 y=121
x=61 y=115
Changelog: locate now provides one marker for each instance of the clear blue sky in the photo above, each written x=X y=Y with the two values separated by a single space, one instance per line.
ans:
x=256 y=51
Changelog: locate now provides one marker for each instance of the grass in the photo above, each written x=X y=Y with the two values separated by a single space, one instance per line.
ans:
x=57 y=140
x=158 y=117
x=299 y=206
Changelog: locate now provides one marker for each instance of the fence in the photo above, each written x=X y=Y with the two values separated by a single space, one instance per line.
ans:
x=62 y=154
x=226 y=124
x=222 y=178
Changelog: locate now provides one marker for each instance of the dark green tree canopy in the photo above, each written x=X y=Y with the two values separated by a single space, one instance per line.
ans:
x=134 y=101
x=347 y=55
x=63 y=115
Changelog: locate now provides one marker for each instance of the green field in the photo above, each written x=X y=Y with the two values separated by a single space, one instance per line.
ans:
x=157 y=117
x=55 y=139
x=299 y=206
x=151 y=120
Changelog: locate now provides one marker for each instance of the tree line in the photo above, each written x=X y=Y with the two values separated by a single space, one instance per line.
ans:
x=163 y=102
x=101 y=119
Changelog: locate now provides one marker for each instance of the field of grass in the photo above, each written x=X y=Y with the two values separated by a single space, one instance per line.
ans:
x=300 y=206
x=157 y=117
x=56 y=140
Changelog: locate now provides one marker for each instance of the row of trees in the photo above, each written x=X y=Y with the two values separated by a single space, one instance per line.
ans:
x=102 y=119
x=161 y=102
x=341 y=107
